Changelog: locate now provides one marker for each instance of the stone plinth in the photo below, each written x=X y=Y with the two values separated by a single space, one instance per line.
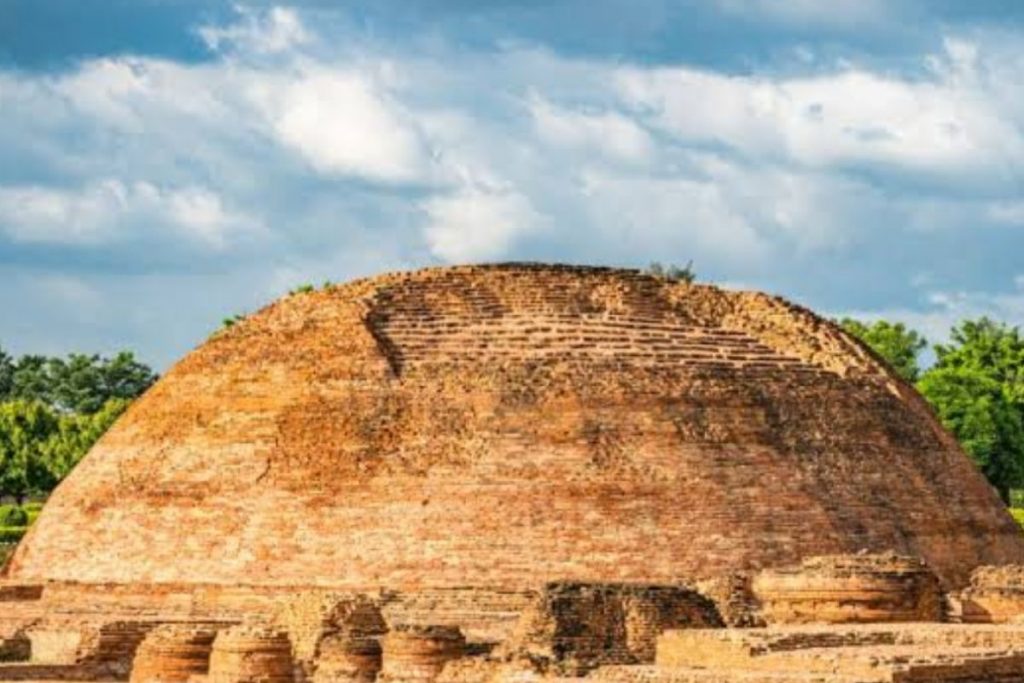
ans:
x=850 y=589
x=173 y=654
x=995 y=595
x=417 y=654
x=251 y=655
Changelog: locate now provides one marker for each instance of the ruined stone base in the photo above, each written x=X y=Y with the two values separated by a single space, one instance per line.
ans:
x=559 y=632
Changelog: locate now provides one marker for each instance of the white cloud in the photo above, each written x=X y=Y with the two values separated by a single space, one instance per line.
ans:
x=278 y=29
x=610 y=133
x=1007 y=212
x=945 y=309
x=950 y=124
x=353 y=156
x=478 y=224
x=342 y=123
x=657 y=215
x=111 y=209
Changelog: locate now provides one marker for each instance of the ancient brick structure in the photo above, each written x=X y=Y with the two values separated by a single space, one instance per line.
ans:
x=849 y=589
x=414 y=654
x=247 y=654
x=173 y=654
x=995 y=595
x=862 y=654
x=334 y=637
x=573 y=628
x=476 y=474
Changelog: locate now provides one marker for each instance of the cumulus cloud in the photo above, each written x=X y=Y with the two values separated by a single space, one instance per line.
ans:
x=277 y=30
x=941 y=310
x=609 y=133
x=948 y=124
x=476 y=224
x=109 y=210
x=343 y=123
x=830 y=185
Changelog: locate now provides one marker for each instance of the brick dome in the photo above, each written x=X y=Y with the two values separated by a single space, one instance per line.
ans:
x=513 y=424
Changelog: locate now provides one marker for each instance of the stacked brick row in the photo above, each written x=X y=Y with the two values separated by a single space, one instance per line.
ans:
x=850 y=589
x=173 y=654
x=418 y=654
x=248 y=654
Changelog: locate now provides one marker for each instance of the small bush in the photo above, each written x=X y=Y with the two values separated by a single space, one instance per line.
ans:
x=302 y=289
x=12 y=515
x=232 y=321
x=12 y=534
x=672 y=272
x=1018 y=514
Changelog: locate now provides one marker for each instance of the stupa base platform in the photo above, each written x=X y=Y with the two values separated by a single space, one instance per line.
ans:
x=88 y=641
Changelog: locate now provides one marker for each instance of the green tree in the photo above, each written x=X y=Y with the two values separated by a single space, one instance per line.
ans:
x=977 y=410
x=899 y=345
x=977 y=388
x=80 y=383
x=24 y=428
x=993 y=348
x=6 y=375
x=75 y=435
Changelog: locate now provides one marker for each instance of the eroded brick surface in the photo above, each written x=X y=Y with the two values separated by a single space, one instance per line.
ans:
x=504 y=426
x=849 y=589
x=519 y=473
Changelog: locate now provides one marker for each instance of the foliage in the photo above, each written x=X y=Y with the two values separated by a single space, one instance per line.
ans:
x=13 y=515
x=6 y=373
x=977 y=388
x=39 y=446
x=12 y=534
x=52 y=410
x=976 y=410
x=79 y=383
x=301 y=289
x=232 y=321
x=993 y=349
x=898 y=345
x=24 y=427
x=1018 y=515
x=673 y=272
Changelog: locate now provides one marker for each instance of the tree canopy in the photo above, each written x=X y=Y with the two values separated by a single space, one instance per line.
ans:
x=976 y=388
x=79 y=383
x=894 y=342
x=52 y=410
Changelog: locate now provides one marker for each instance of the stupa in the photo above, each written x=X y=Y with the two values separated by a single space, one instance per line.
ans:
x=479 y=460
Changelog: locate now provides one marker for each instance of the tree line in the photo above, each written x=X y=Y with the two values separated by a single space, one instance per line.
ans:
x=975 y=386
x=53 y=409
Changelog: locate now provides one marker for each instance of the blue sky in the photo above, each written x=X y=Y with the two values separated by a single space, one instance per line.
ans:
x=167 y=163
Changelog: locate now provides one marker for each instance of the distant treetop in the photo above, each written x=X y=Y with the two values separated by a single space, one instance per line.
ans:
x=79 y=383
